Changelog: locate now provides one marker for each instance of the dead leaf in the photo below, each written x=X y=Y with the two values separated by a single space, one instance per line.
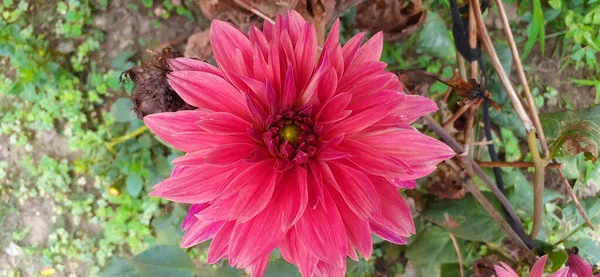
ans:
x=229 y=11
x=396 y=18
x=198 y=46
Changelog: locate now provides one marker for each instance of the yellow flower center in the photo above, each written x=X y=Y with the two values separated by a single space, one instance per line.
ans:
x=290 y=133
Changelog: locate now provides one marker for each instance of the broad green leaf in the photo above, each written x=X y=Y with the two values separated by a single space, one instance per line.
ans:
x=468 y=219
x=224 y=271
x=590 y=205
x=281 y=268
x=589 y=249
x=573 y=132
x=452 y=270
x=434 y=37
x=521 y=194
x=557 y=258
x=121 y=110
x=536 y=30
x=118 y=267
x=134 y=184
x=431 y=248
x=164 y=260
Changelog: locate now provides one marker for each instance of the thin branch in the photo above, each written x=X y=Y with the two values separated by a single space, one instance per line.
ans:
x=517 y=61
x=254 y=10
x=539 y=163
x=448 y=124
x=574 y=197
x=110 y=145
x=515 y=164
x=457 y=248
x=433 y=125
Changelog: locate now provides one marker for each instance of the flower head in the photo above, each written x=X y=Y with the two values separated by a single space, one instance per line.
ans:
x=292 y=149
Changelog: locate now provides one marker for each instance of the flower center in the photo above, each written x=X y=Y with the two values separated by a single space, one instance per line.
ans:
x=291 y=136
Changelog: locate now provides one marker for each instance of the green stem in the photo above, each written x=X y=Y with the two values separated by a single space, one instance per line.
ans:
x=110 y=145
x=538 y=185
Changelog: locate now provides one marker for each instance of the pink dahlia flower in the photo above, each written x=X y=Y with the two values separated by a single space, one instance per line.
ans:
x=292 y=149
x=576 y=267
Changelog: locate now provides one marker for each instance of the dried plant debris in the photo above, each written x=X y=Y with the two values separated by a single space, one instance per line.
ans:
x=446 y=184
x=198 y=46
x=485 y=266
x=228 y=10
x=396 y=18
x=152 y=91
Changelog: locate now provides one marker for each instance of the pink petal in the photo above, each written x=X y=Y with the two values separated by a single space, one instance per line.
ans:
x=315 y=186
x=322 y=233
x=223 y=124
x=258 y=268
x=194 y=185
x=185 y=64
x=293 y=182
x=167 y=125
x=501 y=272
x=579 y=267
x=191 y=216
x=413 y=107
x=200 y=231
x=325 y=269
x=538 y=268
x=396 y=215
x=359 y=121
x=334 y=109
x=256 y=237
x=372 y=160
x=371 y=50
x=356 y=189
x=253 y=197
x=208 y=91
x=350 y=49
x=219 y=247
x=228 y=153
x=294 y=252
x=387 y=234
x=565 y=272
x=357 y=229
x=226 y=39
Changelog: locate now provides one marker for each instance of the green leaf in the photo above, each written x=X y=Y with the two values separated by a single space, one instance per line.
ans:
x=434 y=38
x=359 y=269
x=536 y=29
x=134 y=184
x=164 y=260
x=469 y=219
x=431 y=248
x=118 y=267
x=452 y=270
x=121 y=110
x=224 y=271
x=557 y=258
x=521 y=193
x=280 y=268
x=555 y=4
x=573 y=132
x=590 y=205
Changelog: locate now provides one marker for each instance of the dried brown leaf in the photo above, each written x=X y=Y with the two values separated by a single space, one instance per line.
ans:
x=485 y=266
x=198 y=46
x=396 y=18
x=446 y=184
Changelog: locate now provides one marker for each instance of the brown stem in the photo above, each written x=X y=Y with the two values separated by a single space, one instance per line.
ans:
x=538 y=207
x=515 y=164
x=448 y=124
x=433 y=125
x=517 y=61
x=457 y=248
x=254 y=10
x=574 y=197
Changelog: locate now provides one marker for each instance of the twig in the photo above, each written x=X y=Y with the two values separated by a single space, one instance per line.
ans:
x=515 y=164
x=522 y=78
x=574 y=197
x=460 y=260
x=448 y=124
x=254 y=10
x=433 y=125
x=523 y=116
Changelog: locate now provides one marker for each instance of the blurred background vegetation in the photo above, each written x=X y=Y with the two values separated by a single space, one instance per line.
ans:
x=76 y=164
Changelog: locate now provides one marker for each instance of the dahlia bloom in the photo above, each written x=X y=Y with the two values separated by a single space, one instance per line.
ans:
x=292 y=149
x=576 y=267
